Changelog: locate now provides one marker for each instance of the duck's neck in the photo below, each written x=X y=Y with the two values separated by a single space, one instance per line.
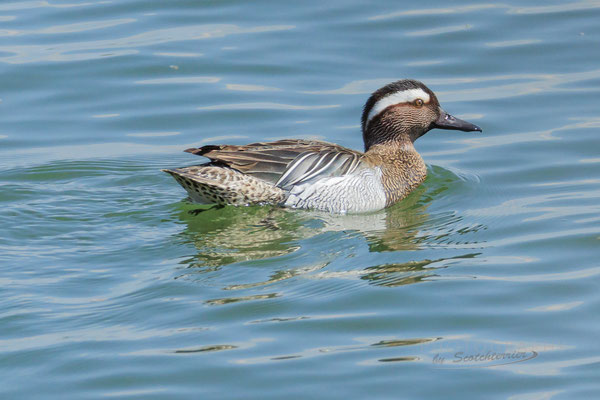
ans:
x=391 y=147
x=386 y=130
x=402 y=167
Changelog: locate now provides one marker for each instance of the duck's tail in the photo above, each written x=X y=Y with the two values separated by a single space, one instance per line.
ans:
x=208 y=184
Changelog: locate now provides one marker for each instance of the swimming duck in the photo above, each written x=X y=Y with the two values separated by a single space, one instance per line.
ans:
x=324 y=176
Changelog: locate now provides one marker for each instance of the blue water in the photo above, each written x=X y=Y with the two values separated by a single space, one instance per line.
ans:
x=110 y=287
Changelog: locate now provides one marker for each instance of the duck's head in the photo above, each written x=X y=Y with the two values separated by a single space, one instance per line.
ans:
x=404 y=111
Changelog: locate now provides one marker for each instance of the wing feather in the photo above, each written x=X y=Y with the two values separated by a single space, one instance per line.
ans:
x=313 y=165
x=284 y=162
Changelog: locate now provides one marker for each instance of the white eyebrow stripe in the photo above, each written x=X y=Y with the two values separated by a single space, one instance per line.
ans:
x=405 y=96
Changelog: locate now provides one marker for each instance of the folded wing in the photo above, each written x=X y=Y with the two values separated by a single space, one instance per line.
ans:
x=284 y=163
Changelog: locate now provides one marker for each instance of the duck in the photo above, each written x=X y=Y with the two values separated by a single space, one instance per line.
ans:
x=322 y=176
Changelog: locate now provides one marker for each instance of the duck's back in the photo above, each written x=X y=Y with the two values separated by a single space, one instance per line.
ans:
x=281 y=172
x=269 y=161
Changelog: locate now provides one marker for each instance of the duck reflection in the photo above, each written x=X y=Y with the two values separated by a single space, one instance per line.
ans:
x=228 y=235
x=233 y=234
x=391 y=275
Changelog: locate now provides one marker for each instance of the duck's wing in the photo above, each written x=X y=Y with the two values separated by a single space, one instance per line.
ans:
x=318 y=164
x=285 y=162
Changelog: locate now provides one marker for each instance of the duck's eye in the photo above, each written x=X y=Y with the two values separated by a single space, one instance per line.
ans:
x=418 y=103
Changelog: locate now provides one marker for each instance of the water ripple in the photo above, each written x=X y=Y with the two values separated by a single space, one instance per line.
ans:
x=22 y=54
x=69 y=28
x=435 y=11
x=569 y=6
x=439 y=31
x=251 y=88
x=512 y=43
x=179 y=80
x=517 y=85
x=24 y=5
x=559 y=276
x=266 y=106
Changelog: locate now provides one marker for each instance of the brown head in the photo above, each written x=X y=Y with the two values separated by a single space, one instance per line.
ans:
x=404 y=111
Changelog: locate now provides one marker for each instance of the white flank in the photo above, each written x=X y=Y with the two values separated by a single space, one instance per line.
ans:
x=405 y=96
x=359 y=192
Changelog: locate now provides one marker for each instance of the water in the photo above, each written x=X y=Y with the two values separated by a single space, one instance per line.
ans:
x=111 y=288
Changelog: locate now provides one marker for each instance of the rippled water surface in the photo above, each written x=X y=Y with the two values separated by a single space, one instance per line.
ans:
x=483 y=283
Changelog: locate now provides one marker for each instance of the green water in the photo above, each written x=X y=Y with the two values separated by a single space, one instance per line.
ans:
x=110 y=287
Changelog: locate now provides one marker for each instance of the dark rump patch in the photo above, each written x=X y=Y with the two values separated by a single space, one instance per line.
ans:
x=202 y=150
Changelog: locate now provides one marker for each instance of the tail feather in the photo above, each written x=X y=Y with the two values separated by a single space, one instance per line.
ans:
x=218 y=185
